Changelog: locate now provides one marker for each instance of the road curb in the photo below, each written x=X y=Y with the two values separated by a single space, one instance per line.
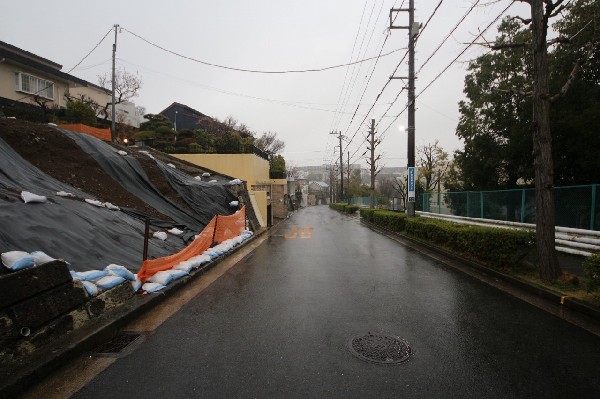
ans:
x=102 y=329
x=542 y=292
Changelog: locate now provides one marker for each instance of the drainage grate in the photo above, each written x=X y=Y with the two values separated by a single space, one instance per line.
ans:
x=380 y=349
x=117 y=344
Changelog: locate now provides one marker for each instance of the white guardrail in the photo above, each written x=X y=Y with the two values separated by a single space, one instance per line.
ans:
x=568 y=240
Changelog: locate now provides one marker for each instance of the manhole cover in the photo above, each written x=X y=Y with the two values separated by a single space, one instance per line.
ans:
x=117 y=344
x=380 y=349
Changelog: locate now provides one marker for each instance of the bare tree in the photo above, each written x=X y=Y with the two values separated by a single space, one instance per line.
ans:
x=127 y=86
x=269 y=142
x=433 y=164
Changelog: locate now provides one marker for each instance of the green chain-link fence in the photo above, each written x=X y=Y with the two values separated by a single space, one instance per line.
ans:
x=576 y=206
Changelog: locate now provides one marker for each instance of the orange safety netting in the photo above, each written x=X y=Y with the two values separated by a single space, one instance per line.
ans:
x=102 y=134
x=219 y=229
x=230 y=226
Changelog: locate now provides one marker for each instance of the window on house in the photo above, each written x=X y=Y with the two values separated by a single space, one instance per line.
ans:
x=33 y=85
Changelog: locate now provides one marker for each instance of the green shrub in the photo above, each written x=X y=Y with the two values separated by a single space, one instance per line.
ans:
x=367 y=214
x=395 y=221
x=591 y=267
x=498 y=247
x=343 y=207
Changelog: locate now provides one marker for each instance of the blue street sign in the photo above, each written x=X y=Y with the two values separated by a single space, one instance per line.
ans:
x=411 y=184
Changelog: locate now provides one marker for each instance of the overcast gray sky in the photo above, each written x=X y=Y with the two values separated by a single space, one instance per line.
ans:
x=273 y=35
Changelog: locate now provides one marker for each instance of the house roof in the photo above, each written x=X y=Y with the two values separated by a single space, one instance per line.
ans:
x=191 y=111
x=34 y=61
x=321 y=184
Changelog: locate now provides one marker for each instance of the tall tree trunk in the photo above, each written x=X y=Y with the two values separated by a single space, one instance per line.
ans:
x=542 y=148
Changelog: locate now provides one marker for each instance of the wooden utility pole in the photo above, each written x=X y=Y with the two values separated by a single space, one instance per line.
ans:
x=114 y=78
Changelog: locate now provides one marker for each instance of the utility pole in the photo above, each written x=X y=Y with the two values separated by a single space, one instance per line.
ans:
x=413 y=31
x=340 y=136
x=114 y=114
x=371 y=161
x=348 y=173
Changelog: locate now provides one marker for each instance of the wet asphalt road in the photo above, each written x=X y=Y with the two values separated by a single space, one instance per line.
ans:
x=277 y=325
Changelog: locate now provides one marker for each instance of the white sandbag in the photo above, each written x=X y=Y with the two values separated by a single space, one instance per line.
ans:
x=32 y=198
x=64 y=194
x=152 y=287
x=199 y=260
x=121 y=152
x=108 y=282
x=51 y=124
x=162 y=277
x=236 y=181
x=90 y=275
x=17 y=260
x=176 y=273
x=175 y=231
x=118 y=270
x=197 y=178
x=90 y=288
x=205 y=174
x=40 y=258
x=234 y=203
x=171 y=165
x=161 y=235
x=136 y=284
x=186 y=266
x=147 y=154
x=212 y=181
x=94 y=202
x=111 y=206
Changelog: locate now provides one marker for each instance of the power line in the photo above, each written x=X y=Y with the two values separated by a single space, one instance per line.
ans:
x=256 y=70
x=466 y=48
x=338 y=106
x=296 y=104
x=451 y=63
x=354 y=77
x=429 y=19
x=448 y=35
x=91 y=51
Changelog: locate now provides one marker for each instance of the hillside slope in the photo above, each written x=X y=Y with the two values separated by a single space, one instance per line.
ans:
x=45 y=160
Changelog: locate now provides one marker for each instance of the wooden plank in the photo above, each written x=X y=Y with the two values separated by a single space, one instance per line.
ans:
x=20 y=285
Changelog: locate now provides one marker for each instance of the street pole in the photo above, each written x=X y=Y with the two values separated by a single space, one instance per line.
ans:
x=348 y=172
x=411 y=94
x=372 y=164
x=341 y=165
x=413 y=31
x=113 y=117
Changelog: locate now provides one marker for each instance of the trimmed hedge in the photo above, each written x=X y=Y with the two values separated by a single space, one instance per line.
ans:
x=497 y=247
x=392 y=220
x=591 y=266
x=343 y=207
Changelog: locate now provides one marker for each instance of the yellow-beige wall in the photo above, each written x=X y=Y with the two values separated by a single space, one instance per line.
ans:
x=8 y=84
x=247 y=167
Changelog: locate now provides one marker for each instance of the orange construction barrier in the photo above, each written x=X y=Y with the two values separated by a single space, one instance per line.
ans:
x=219 y=229
x=204 y=240
x=102 y=134
x=230 y=226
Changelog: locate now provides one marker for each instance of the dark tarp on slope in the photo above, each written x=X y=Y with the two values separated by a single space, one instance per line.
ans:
x=86 y=236
x=128 y=172
x=206 y=199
